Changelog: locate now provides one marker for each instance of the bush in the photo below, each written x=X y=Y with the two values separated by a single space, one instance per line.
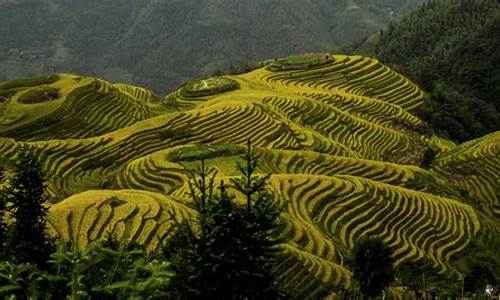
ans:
x=109 y=270
x=21 y=281
x=428 y=158
x=372 y=266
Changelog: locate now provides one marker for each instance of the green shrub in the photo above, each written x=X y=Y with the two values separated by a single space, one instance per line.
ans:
x=428 y=159
x=21 y=281
x=110 y=270
x=372 y=266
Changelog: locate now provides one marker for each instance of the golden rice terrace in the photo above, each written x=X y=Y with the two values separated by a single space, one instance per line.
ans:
x=336 y=133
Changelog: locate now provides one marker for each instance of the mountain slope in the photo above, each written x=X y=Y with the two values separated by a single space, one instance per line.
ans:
x=161 y=44
x=450 y=49
x=334 y=132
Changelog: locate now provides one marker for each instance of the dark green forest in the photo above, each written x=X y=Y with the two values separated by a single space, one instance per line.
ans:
x=450 y=48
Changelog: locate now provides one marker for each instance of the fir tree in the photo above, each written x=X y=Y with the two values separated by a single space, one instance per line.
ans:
x=27 y=241
x=232 y=254
x=372 y=266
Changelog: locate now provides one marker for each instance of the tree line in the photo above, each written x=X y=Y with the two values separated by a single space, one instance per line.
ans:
x=449 y=48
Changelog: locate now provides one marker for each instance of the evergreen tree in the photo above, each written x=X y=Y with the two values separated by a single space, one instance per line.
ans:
x=372 y=266
x=27 y=241
x=260 y=227
x=231 y=255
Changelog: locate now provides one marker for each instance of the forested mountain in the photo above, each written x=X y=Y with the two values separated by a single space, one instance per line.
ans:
x=160 y=44
x=450 y=48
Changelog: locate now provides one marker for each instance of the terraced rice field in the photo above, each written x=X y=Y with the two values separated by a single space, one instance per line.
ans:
x=474 y=168
x=337 y=134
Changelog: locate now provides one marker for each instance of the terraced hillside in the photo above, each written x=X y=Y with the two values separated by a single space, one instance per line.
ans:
x=64 y=106
x=335 y=132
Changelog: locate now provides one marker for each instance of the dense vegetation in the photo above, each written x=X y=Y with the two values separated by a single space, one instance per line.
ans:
x=104 y=270
x=450 y=48
x=161 y=44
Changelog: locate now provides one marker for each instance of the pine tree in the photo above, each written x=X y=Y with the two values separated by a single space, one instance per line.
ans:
x=27 y=241
x=372 y=266
x=232 y=254
x=260 y=224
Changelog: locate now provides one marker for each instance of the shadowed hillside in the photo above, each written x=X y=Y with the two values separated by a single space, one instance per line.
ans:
x=450 y=48
x=335 y=133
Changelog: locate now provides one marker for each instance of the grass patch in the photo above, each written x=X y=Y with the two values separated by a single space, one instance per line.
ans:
x=29 y=82
x=208 y=87
x=40 y=95
x=202 y=151
x=301 y=62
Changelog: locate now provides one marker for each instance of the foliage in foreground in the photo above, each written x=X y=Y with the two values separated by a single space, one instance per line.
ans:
x=100 y=271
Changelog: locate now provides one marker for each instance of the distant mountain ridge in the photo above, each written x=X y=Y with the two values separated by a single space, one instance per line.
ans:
x=161 y=44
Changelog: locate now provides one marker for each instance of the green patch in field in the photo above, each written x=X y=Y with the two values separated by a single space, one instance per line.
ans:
x=208 y=87
x=301 y=62
x=40 y=95
x=198 y=152
x=29 y=82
